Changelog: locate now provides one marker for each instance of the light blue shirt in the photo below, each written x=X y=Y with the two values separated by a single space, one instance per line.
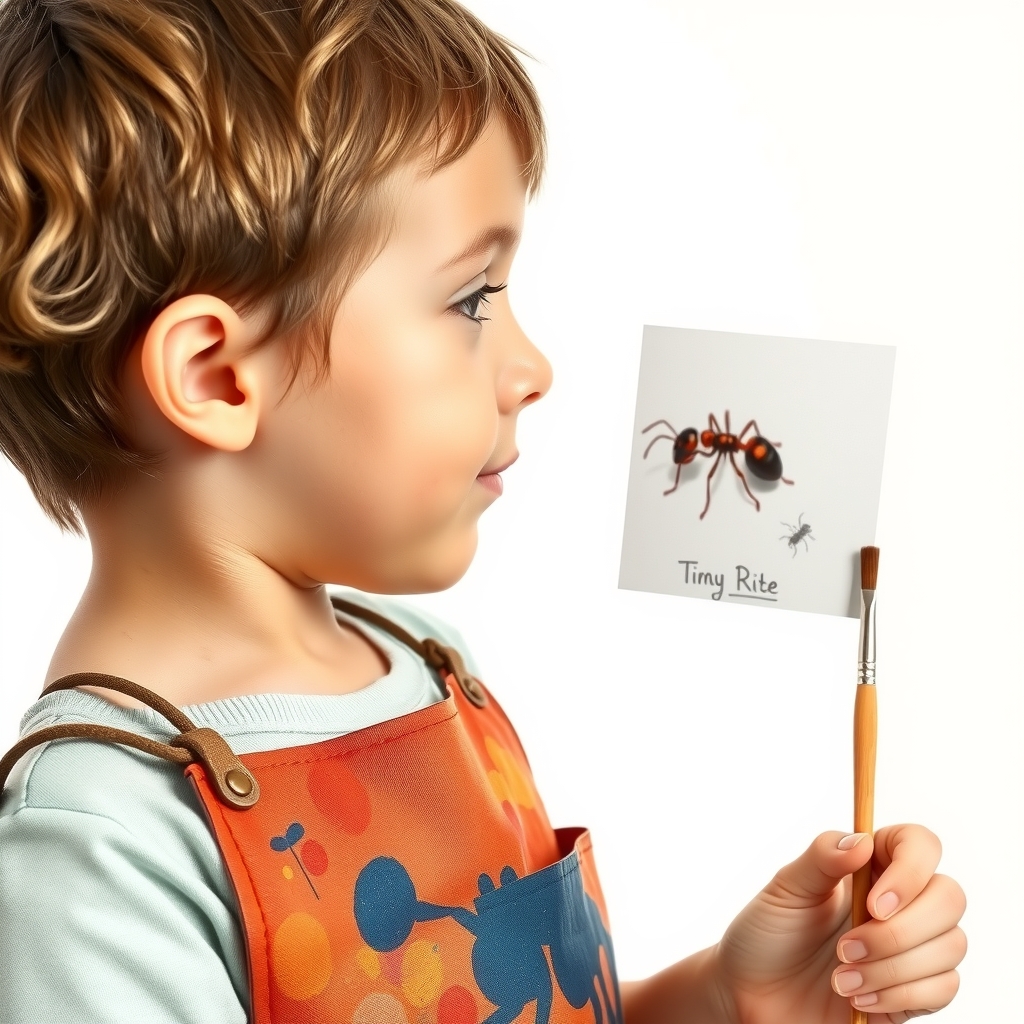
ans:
x=114 y=902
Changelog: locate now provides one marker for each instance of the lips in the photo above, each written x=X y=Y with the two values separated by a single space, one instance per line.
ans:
x=487 y=471
x=491 y=478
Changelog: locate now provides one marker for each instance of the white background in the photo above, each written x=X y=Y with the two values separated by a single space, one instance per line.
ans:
x=810 y=169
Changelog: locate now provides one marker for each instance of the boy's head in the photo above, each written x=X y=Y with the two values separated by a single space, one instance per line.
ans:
x=376 y=476
x=171 y=170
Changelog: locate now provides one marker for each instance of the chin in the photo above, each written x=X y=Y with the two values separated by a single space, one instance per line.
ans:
x=426 y=571
x=441 y=577
x=445 y=564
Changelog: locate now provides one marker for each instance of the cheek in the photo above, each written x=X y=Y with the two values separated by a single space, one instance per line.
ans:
x=406 y=502
x=418 y=479
x=424 y=415
x=390 y=452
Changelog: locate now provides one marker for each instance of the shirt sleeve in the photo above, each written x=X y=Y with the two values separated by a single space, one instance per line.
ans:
x=104 y=921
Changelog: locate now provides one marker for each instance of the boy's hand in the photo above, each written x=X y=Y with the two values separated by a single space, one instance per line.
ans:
x=791 y=952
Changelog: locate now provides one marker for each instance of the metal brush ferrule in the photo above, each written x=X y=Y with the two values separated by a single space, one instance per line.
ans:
x=866 y=662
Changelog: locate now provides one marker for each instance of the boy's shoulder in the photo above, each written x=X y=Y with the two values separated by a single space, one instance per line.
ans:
x=122 y=784
x=108 y=782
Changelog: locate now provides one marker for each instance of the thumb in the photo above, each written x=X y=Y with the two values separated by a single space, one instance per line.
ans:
x=817 y=871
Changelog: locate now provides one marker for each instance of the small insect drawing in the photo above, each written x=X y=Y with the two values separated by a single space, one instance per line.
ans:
x=313 y=855
x=758 y=452
x=800 y=533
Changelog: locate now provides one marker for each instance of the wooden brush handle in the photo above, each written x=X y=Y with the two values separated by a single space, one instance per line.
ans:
x=865 y=731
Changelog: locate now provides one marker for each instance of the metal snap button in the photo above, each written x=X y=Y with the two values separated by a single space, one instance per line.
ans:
x=238 y=782
x=473 y=690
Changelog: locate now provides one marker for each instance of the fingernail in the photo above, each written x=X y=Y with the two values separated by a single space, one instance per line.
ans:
x=886 y=905
x=852 y=950
x=850 y=841
x=867 y=999
x=847 y=981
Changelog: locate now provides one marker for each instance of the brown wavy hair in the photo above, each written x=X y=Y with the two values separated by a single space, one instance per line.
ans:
x=150 y=149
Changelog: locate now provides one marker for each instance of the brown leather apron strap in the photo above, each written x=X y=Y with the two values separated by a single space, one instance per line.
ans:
x=357 y=611
x=86 y=731
x=231 y=780
x=445 y=660
x=171 y=712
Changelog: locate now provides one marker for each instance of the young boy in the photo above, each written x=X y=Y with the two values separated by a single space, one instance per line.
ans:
x=255 y=337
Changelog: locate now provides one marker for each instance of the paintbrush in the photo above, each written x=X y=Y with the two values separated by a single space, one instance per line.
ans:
x=865 y=728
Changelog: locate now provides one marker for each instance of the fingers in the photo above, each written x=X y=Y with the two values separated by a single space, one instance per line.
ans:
x=904 y=959
x=870 y=981
x=935 y=911
x=907 y=961
x=909 y=855
x=923 y=996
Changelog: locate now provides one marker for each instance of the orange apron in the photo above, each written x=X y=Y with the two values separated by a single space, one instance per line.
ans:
x=405 y=873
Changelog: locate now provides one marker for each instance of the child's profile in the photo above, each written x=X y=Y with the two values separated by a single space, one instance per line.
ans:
x=256 y=339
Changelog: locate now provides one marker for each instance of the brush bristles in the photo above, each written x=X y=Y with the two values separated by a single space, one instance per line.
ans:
x=868 y=568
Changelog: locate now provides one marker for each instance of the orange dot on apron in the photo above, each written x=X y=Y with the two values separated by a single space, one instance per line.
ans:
x=518 y=785
x=339 y=796
x=287 y=872
x=314 y=857
x=456 y=1006
x=369 y=961
x=380 y=1008
x=300 y=957
x=421 y=973
x=499 y=785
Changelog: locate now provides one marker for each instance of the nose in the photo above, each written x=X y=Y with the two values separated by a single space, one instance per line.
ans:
x=524 y=373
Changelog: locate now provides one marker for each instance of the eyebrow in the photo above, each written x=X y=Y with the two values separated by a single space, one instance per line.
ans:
x=504 y=236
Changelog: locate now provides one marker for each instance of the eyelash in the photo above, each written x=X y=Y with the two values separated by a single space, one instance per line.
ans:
x=480 y=295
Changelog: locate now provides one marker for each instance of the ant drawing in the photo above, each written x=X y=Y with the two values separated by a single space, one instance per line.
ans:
x=798 y=533
x=759 y=453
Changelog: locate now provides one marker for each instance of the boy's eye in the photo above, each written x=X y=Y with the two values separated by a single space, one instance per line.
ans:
x=470 y=305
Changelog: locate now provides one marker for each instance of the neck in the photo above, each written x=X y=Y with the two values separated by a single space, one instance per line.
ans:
x=186 y=603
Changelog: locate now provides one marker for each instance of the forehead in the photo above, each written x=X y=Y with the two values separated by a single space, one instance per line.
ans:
x=465 y=208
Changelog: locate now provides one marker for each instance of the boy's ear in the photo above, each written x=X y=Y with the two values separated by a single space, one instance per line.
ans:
x=193 y=362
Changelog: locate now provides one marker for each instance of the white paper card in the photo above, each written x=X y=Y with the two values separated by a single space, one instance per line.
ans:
x=823 y=407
